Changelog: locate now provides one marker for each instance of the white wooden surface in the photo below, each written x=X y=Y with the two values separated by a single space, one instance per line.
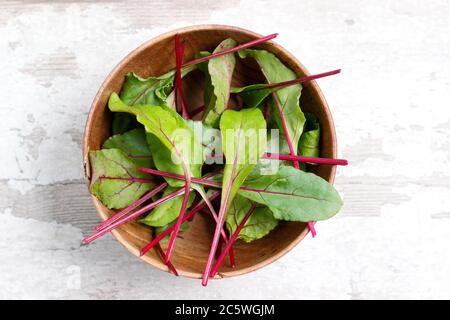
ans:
x=391 y=107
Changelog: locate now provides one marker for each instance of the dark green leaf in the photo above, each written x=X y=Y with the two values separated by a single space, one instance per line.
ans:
x=149 y=91
x=113 y=178
x=123 y=122
x=310 y=140
x=260 y=223
x=294 y=195
x=134 y=144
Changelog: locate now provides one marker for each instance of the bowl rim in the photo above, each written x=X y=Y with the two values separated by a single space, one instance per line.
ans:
x=116 y=234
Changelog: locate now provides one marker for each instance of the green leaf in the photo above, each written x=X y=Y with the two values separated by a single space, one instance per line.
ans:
x=173 y=144
x=113 y=174
x=288 y=98
x=260 y=223
x=310 y=140
x=151 y=90
x=244 y=139
x=218 y=83
x=254 y=94
x=294 y=195
x=276 y=143
x=134 y=144
x=183 y=228
x=167 y=211
x=209 y=137
x=123 y=122
x=203 y=66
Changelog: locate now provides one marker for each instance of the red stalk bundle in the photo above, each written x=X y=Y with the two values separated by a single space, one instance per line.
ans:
x=163 y=256
x=215 y=242
x=230 y=243
x=133 y=215
x=131 y=207
x=179 y=51
x=190 y=214
x=224 y=238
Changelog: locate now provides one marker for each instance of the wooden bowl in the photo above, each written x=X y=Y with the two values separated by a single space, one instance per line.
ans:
x=156 y=57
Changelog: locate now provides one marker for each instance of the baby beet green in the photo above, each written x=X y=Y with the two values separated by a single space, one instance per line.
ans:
x=115 y=178
x=236 y=127
x=218 y=82
x=259 y=224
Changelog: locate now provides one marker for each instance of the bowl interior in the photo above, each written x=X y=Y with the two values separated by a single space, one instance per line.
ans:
x=157 y=57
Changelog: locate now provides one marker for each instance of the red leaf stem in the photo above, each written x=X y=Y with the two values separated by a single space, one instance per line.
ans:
x=230 y=243
x=234 y=49
x=131 y=207
x=189 y=215
x=132 y=216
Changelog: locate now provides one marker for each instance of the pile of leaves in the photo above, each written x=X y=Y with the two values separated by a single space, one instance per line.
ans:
x=157 y=167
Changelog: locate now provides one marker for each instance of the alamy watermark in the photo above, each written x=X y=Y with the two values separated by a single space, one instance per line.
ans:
x=211 y=146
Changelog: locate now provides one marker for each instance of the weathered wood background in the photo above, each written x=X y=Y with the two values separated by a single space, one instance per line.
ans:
x=391 y=106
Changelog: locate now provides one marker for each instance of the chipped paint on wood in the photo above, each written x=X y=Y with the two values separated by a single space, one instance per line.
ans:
x=390 y=107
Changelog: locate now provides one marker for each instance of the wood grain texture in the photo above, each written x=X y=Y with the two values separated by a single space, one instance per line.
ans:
x=389 y=105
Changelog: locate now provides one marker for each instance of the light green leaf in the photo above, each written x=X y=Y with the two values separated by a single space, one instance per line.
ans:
x=276 y=143
x=113 y=178
x=294 y=195
x=288 y=98
x=244 y=139
x=260 y=223
x=150 y=91
x=174 y=146
x=310 y=140
x=218 y=83
x=134 y=144
x=167 y=211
